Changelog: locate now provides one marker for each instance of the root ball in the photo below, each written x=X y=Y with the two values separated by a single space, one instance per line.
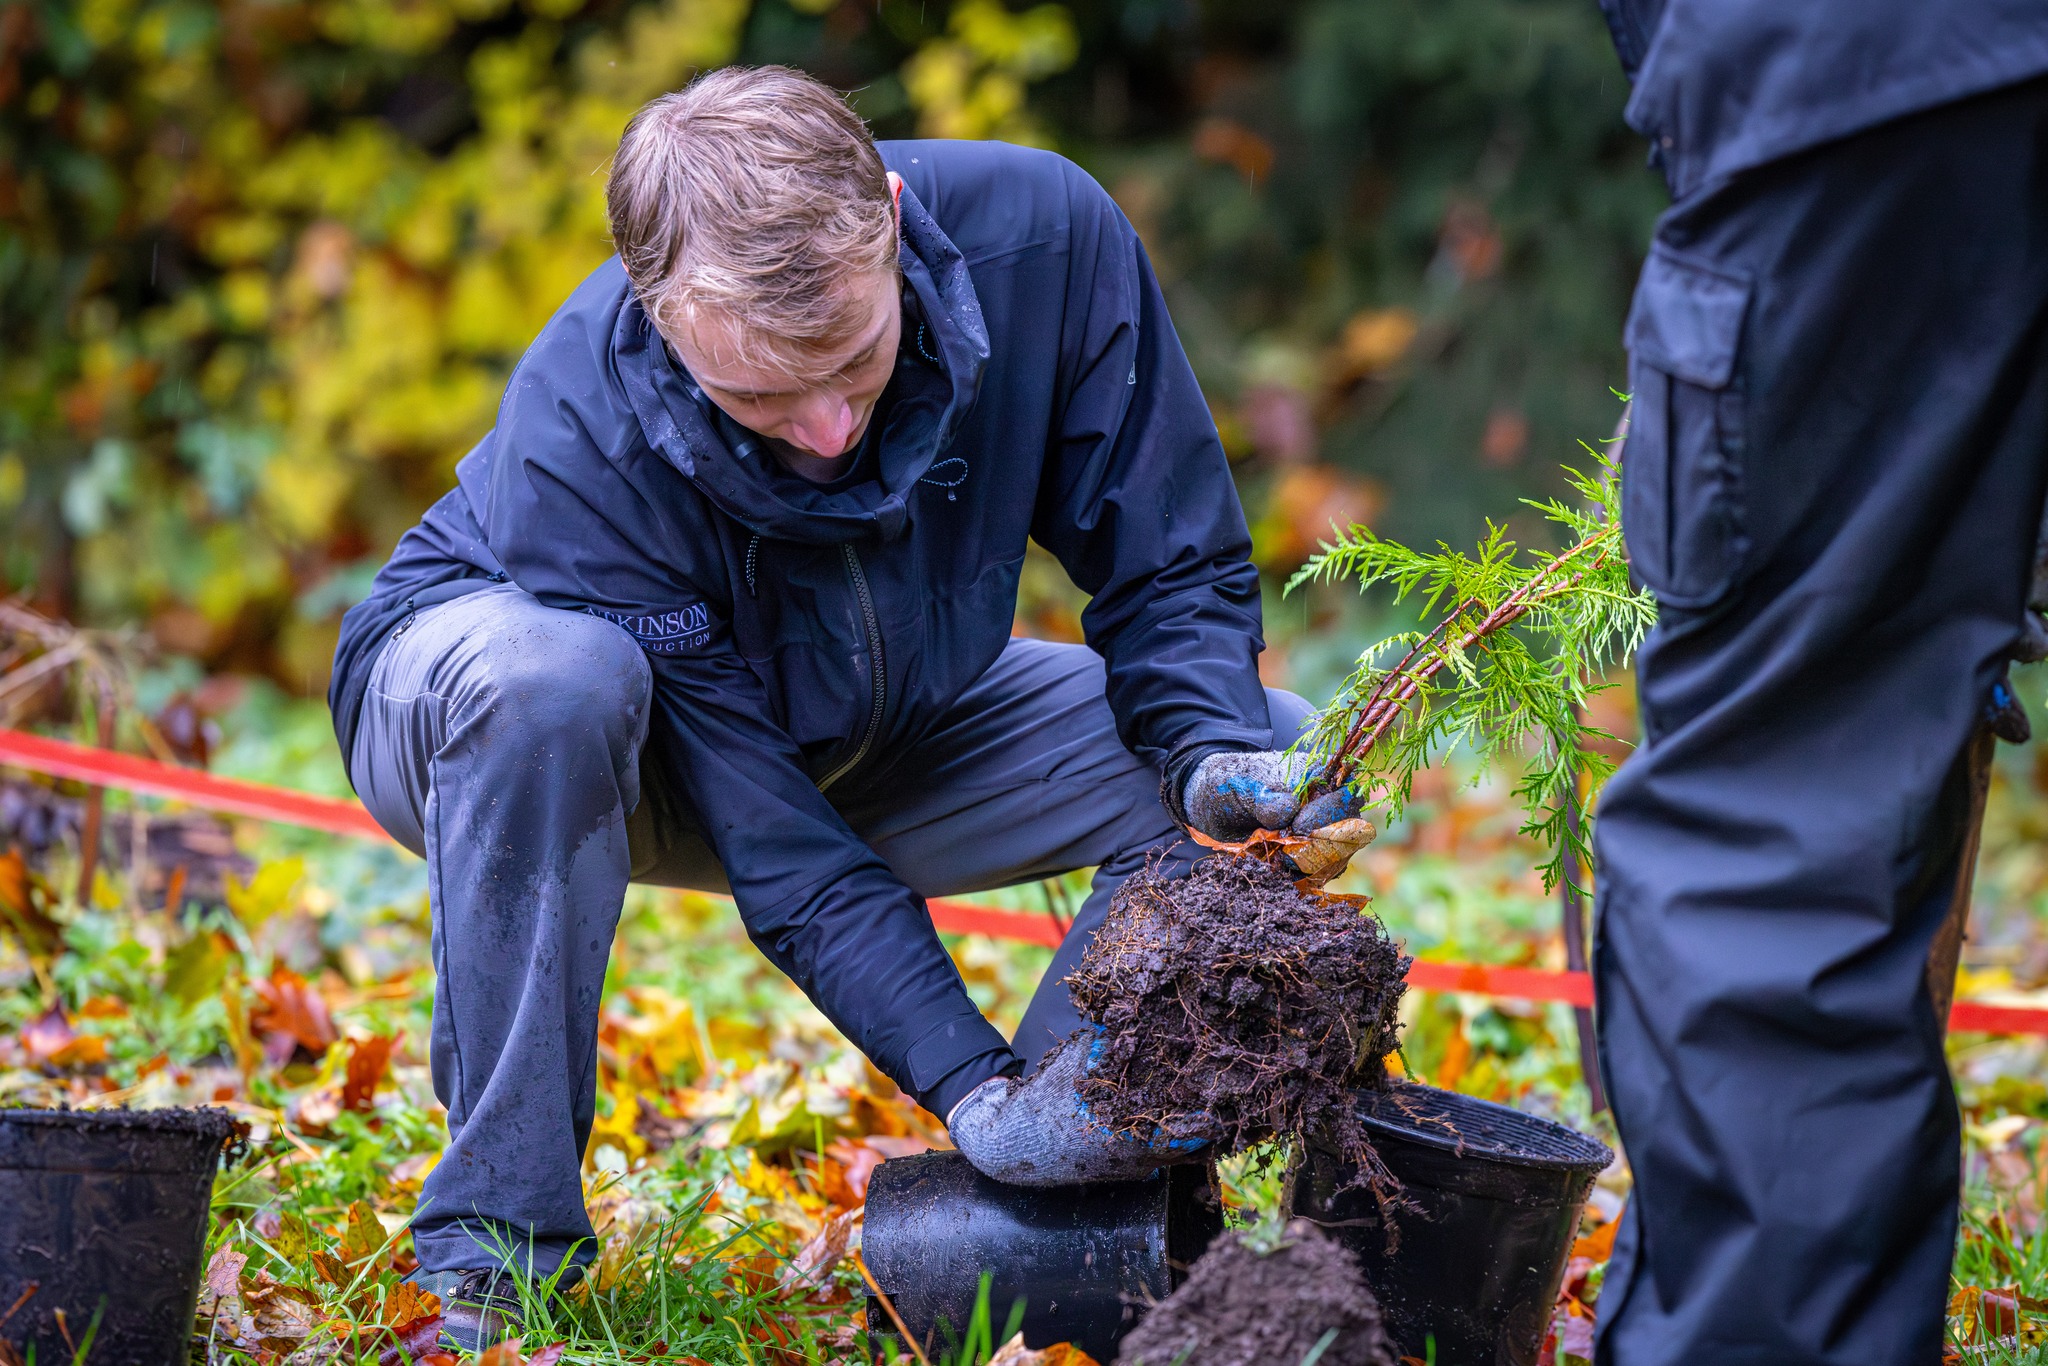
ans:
x=1238 y=1008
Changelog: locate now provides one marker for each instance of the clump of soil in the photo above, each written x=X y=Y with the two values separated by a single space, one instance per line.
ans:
x=1247 y=1305
x=1239 y=1008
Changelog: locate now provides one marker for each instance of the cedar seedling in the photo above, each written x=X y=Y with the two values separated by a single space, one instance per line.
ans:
x=1520 y=641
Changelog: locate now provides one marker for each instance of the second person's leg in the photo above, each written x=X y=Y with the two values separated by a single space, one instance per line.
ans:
x=1833 y=481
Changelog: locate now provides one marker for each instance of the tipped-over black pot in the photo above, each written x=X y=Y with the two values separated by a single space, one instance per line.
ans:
x=1085 y=1261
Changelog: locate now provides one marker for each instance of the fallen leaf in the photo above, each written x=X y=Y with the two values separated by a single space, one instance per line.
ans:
x=315 y=1111
x=294 y=1236
x=281 y=1315
x=813 y=1263
x=548 y=1355
x=224 y=1272
x=1599 y=1244
x=830 y=1181
x=196 y=968
x=505 y=1353
x=290 y=1012
x=22 y=902
x=1575 y=1339
x=364 y=1238
x=367 y=1061
x=419 y=1343
x=48 y=1036
x=407 y=1303
x=1015 y=1353
x=267 y=892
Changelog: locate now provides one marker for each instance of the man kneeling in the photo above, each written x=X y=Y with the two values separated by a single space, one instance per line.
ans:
x=724 y=601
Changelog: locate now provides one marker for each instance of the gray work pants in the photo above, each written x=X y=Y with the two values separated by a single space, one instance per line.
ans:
x=501 y=740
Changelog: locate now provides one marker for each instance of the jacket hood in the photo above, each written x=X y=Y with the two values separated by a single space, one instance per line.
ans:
x=930 y=402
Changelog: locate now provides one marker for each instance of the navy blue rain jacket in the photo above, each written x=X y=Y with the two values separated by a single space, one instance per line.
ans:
x=799 y=636
x=1722 y=86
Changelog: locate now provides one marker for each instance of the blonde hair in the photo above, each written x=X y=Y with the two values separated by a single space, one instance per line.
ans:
x=753 y=192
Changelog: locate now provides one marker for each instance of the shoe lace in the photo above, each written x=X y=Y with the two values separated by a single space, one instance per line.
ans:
x=488 y=1287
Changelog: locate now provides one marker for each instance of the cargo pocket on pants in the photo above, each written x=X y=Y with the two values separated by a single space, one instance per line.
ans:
x=1681 y=471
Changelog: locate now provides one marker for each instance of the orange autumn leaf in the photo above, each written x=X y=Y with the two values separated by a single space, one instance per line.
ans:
x=368 y=1059
x=1015 y=1353
x=22 y=907
x=290 y=1010
x=1599 y=1244
x=50 y=1040
x=1989 y=1315
x=408 y=1302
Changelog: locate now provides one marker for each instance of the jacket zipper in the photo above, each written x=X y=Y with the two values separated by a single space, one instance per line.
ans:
x=877 y=668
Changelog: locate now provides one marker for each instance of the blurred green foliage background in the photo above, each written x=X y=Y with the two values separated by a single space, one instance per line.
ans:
x=265 y=264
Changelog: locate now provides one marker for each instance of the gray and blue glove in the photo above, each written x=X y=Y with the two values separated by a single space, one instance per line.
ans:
x=1232 y=793
x=1039 y=1132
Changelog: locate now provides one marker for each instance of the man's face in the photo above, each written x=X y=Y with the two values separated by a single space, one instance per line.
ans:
x=823 y=415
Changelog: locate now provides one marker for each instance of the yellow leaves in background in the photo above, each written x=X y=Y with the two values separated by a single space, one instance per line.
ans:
x=363 y=296
x=971 y=83
x=348 y=273
x=660 y=45
x=270 y=889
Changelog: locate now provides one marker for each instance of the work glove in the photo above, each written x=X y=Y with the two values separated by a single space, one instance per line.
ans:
x=1039 y=1132
x=1232 y=793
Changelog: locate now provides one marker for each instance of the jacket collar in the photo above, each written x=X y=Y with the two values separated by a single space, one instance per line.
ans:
x=931 y=402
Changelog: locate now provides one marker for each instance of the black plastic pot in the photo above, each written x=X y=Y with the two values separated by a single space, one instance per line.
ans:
x=1085 y=1260
x=1497 y=1196
x=104 y=1214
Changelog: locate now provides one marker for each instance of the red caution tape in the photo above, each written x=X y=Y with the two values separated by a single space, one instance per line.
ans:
x=107 y=768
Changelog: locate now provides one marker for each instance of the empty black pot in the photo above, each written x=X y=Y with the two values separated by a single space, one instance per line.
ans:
x=1497 y=1196
x=104 y=1214
x=1085 y=1260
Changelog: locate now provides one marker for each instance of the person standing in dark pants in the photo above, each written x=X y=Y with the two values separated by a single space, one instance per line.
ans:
x=1833 y=482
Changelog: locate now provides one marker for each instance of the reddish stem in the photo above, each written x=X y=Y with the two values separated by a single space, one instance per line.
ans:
x=1403 y=683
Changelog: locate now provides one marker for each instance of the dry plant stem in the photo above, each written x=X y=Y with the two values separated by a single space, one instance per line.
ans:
x=1404 y=681
x=95 y=806
x=861 y=1264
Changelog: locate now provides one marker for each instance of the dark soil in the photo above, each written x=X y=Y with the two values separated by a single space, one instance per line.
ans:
x=1241 y=1307
x=1237 y=1008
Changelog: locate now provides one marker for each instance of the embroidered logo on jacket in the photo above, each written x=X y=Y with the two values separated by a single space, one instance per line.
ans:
x=665 y=633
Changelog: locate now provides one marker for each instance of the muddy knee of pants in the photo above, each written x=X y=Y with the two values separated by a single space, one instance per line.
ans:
x=500 y=738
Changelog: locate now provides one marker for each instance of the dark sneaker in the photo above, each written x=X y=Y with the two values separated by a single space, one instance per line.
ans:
x=481 y=1306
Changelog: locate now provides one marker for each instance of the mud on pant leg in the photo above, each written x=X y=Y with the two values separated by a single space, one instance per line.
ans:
x=499 y=739
x=1833 y=481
